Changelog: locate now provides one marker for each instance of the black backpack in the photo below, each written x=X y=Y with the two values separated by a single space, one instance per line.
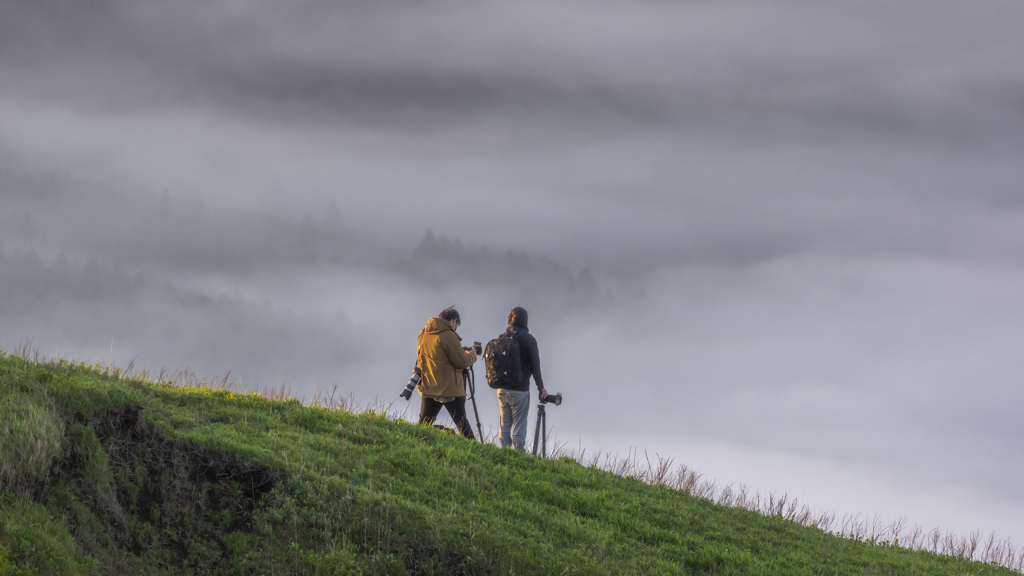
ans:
x=502 y=362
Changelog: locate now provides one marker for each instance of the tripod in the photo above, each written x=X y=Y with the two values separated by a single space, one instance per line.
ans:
x=469 y=382
x=542 y=431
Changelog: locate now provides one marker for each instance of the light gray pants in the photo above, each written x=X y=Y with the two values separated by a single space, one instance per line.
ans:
x=515 y=410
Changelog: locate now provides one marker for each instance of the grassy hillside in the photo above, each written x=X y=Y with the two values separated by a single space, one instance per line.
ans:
x=103 y=475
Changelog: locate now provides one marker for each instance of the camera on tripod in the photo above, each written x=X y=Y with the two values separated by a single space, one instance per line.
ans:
x=555 y=399
x=541 y=436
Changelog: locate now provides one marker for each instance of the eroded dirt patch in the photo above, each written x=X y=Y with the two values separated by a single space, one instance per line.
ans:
x=162 y=497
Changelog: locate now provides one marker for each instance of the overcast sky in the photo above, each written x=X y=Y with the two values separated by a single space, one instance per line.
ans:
x=779 y=241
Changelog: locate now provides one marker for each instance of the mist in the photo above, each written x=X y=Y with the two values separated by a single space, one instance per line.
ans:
x=780 y=242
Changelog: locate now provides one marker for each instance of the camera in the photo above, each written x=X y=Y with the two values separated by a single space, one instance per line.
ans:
x=478 y=348
x=555 y=399
x=413 y=383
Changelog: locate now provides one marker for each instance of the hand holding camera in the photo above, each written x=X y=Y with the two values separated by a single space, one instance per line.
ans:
x=555 y=399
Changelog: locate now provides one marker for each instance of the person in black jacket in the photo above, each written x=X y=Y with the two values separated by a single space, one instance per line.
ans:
x=514 y=402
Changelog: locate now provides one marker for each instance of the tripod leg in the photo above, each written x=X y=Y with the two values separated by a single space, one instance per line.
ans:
x=544 y=440
x=472 y=396
x=536 y=434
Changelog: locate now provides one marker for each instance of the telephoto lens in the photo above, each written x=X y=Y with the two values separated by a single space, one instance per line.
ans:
x=555 y=399
x=413 y=383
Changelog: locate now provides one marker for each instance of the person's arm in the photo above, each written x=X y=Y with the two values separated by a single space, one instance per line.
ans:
x=531 y=349
x=459 y=356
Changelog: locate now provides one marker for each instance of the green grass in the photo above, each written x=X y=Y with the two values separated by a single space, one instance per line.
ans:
x=104 y=475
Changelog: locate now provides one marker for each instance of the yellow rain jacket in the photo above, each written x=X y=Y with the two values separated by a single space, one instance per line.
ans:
x=440 y=358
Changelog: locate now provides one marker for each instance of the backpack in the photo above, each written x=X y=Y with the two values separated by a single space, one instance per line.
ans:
x=502 y=362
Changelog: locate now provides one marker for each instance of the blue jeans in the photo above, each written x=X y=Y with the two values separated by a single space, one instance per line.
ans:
x=515 y=410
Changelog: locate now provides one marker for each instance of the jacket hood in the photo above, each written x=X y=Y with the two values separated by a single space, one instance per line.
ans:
x=436 y=326
x=518 y=317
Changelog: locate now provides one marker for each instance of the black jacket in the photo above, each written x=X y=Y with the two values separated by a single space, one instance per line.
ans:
x=528 y=356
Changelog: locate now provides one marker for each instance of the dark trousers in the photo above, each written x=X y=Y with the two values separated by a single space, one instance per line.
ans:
x=430 y=408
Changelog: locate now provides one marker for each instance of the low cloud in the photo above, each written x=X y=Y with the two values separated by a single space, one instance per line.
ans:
x=80 y=311
x=789 y=229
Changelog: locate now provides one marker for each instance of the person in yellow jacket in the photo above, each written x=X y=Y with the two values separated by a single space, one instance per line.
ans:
x=440 y=359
